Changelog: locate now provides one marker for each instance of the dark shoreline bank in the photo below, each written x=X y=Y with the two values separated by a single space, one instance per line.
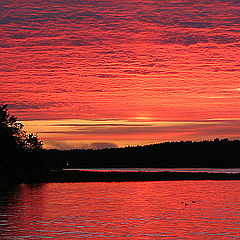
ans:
x=84 y=176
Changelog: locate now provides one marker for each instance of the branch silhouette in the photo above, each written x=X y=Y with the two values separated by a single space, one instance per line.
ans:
x=18 y=149
x=13 y=137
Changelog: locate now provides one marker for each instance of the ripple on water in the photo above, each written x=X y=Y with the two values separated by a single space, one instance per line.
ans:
x=132 y=210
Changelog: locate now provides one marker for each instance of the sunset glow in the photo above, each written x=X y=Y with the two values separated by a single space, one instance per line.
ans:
x=96 y=74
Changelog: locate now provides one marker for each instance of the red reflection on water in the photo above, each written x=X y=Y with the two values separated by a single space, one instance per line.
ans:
x=141 y=210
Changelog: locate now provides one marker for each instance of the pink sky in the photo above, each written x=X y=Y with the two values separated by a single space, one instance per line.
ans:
x=117 y=73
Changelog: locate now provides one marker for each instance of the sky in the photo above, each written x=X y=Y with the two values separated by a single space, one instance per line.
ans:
x=113 y=73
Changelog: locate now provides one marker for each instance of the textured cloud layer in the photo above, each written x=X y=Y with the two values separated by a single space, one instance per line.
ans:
x=158 y=60
x=112 y=132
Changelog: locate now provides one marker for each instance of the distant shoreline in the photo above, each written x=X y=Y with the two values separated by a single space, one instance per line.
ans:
x=182 y=170
x=69 y=176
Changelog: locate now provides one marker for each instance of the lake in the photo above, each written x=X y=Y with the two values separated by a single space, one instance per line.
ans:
x=126 y=210
x=196 y=170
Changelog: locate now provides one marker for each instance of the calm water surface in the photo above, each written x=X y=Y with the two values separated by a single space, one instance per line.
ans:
x=209 y=170
x=127 y=210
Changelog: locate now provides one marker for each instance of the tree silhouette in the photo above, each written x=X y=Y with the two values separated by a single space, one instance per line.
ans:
x=13 y=137
x=32 y=142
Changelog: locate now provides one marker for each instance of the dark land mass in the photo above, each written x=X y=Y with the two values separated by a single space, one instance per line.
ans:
x=47 y=165
x=22 y=158
x=185 y=154
x=91 y=176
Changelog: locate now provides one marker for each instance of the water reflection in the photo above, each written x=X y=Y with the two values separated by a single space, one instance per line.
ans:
x=141 y=210
x=208 y=170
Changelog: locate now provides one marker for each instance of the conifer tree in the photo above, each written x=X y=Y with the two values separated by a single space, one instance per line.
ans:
x=13 y=137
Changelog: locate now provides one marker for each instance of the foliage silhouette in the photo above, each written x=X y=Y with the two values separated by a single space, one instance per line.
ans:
x=185 y=154
x=12 y=135
x=15 y=144
x=22 y=151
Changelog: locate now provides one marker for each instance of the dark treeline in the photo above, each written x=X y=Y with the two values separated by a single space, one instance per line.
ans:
x=22 y=151
x=216 y=154
x=185 y=154
x=19 y=150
